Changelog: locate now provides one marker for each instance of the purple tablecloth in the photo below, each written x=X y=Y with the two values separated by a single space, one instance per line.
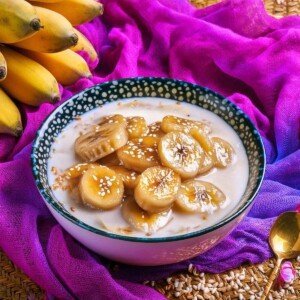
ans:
x=234 y=48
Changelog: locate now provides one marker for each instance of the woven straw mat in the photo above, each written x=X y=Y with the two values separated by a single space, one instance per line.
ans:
x=189 y=284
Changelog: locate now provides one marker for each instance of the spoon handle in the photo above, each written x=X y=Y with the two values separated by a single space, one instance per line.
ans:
x=271 y=278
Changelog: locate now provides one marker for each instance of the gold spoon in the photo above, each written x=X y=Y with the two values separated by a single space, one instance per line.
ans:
x=284 y=239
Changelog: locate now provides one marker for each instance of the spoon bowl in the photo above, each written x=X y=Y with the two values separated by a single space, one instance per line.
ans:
x=285 y=235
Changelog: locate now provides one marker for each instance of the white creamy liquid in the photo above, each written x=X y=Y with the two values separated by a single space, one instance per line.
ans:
x=231 y=180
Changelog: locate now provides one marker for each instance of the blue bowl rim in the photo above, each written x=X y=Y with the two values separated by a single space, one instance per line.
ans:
x=193 y=234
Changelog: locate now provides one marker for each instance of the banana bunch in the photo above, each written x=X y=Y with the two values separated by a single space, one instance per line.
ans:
x=38 y=51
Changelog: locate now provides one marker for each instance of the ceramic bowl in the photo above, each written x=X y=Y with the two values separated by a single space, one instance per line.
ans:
x=143 y=250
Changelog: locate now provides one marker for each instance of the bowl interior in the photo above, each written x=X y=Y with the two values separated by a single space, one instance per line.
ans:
x=148 y=87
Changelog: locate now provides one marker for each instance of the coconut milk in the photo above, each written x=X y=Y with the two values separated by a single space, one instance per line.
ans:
x=231 y=180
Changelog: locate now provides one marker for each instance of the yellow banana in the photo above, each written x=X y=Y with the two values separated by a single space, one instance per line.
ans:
x=10 y=117
x=57 y=34
x=3 y=67
x=85 y=45
x=18 y=20
x=46 y=1
x=28 y=81
x=66 y=66
x=76 y=11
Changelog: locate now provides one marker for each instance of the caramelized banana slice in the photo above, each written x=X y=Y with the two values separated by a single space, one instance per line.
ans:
x=142 y=220
x=172 y=123
x=156 y=189
x=139 y=154
x=110 y=160
x=223 y=152
x=101 y=141
x=206 y=165
x=129 y=177
x=69 y=179
x=205 y=142
x=154 y=130
x=150 y=141
x=203 y=139
x=136 y=127
x=181 y=153
x=197 y=196
x=113 y=119
x=101 y=188
x=77 y=170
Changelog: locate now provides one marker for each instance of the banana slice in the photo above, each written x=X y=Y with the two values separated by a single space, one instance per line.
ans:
x=139 y=154
x=203 y=139
x=72 y=176
x=205 y=142
x=110 y=160
x=136 y=127
x=142 y=220
x=223 y=153
x=115 y=119
x=77 y=170
x=181 y=153
x=101 y=188
x=207 y=164
x=101 y=141
x=129 y=177
x=150 y=141
x=197 y=196
x=69 y=179
x=156 y=189
x=154 y=130
x=172 y=123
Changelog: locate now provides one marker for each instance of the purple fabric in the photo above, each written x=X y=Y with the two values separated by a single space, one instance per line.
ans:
x=234 y=48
